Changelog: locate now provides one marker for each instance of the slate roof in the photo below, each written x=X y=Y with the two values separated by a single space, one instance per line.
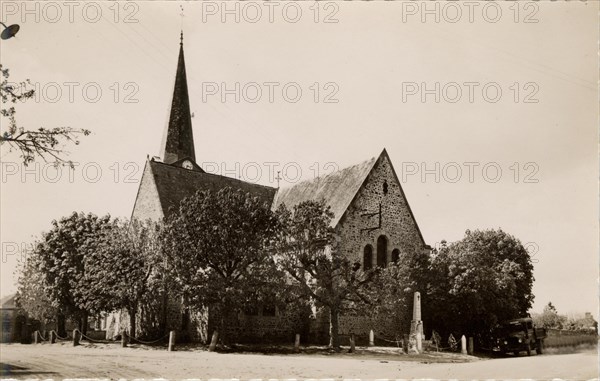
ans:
x=174 y=183
x=337 y=189
x=8 y=302
x=178 y=141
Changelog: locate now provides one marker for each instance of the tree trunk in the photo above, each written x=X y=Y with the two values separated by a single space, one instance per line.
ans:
x=185 y=321
x=131 y=312
x=223 y=326
x=84 y=323
x=61 y=325
x=164 y=312
x=334 y=338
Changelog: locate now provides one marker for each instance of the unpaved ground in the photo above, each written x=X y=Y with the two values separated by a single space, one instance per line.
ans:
x=58 y=361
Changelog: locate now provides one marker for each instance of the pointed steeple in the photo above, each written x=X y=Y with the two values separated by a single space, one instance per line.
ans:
x=178 y=141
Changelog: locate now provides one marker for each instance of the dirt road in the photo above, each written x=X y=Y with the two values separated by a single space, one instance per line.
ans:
x=60 y=361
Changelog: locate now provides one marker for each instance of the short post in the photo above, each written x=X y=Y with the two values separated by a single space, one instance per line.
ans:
x=297 y=343
x=52 y=337
x=123 y=338
x=213 y=341
x=35 y=337
x=405 y=343
x=463 y=345
x=470 y=348
x=371 y=338
x=171 y=341
x=75 y=337
x=352 y=344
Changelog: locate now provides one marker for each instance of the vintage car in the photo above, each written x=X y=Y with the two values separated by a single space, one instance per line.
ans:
x=517 y=335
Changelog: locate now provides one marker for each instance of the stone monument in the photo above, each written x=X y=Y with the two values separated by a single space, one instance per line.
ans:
x=416 y=326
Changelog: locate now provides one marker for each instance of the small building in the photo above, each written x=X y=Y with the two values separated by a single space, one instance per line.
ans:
x=12 y=319
x=588 y=323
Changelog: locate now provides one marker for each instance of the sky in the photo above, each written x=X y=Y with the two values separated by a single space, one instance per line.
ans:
x=489 y=112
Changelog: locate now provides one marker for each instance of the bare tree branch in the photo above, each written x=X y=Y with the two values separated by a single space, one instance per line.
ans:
x=44 y=143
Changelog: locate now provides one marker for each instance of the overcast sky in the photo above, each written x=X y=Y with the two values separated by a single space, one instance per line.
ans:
x=369 y=74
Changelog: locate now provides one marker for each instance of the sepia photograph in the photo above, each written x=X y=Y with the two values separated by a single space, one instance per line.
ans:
x=299 y=190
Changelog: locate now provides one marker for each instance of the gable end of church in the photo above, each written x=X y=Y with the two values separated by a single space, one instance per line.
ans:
x=147 y=205
x=379 y=223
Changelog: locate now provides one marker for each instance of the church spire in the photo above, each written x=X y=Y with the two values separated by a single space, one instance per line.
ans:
x=178 y=142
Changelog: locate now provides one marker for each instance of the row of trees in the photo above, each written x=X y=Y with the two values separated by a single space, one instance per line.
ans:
x=551 y=319
x=229 y=251
x=86 y=265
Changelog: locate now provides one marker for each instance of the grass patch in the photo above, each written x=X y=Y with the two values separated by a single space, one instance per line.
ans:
x=565 y=341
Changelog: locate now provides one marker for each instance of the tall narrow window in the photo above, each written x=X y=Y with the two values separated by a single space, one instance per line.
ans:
x=381 y=251
x=368 y=257
x=395 y=255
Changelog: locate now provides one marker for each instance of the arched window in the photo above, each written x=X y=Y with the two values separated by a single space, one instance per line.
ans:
x=385 y=187
x=368 y=258
x=381 y=251
x=395 y=255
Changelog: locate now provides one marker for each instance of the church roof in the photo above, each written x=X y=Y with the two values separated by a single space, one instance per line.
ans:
x=337 y=189
x=8 y=302
x=174 y=183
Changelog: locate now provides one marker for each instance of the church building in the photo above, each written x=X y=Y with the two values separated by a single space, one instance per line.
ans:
x=372 y=216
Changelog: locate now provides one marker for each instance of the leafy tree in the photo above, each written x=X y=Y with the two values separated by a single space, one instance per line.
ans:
x=217 y=249
x=478 y=281
x=307 y=252
x=118 y=269
x=44 y=143
x=31 y=292
x=62 y=252
x=549 y=318
x=391 y=290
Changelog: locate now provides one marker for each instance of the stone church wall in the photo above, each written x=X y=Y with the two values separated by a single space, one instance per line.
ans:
x=148 y=322
x=384 y=329
x=260 y=328
x=197 y=326
x=147 y=204
x=359 y=226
